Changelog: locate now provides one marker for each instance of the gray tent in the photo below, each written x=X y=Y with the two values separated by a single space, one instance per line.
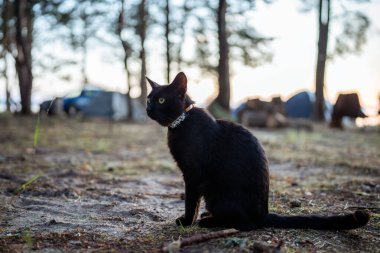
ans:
x=113 y=105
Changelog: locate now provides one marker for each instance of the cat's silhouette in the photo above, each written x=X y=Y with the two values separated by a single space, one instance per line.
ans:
x=226 y=165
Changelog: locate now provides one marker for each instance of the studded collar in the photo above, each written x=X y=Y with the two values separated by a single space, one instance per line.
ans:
x=181 y=117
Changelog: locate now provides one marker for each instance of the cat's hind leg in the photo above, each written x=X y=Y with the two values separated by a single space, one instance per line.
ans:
x=206 y=214
x=212 y=222
x=231 y=214
x=228 y=219
x=209 y=222
x=244 y=226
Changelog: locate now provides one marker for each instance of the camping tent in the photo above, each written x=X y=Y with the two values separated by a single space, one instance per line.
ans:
x=301 y=105
x=113 y=105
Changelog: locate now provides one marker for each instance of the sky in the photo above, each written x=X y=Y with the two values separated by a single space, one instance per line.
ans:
x=292 y=68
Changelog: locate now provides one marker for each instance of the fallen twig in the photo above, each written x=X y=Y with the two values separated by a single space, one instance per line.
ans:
x=178 y=244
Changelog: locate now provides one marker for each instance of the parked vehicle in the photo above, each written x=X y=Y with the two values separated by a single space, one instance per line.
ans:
x=52 y=107
x=73 y=105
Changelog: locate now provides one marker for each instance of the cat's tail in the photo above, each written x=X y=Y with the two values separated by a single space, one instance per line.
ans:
x=337 y=222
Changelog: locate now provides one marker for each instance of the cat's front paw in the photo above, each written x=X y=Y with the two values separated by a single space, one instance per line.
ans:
x=182 y=221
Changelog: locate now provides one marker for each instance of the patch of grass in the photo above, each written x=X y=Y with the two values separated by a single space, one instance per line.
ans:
x=375 y=220
x=323 y=147
x=188 y=230
x=28 y=239
x=165 y=166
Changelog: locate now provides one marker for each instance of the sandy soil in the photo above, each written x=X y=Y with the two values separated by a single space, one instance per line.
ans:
x=103 y=187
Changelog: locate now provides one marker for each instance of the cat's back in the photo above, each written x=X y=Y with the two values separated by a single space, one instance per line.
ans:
x=233 y=133
x=202 y=141
x=239 y=145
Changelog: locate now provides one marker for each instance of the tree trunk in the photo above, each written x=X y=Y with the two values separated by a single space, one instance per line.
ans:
x=84 y=64
x=6 y=79
x=127 y=51
x=84 y=48
x=167 y=33
x=24 y=22
x=129 y=99
x=7 y=92
x=5 y=15
x=181 y=34
x=223 y=98
x=143 y=86
x=323 y=21
x=142 y=34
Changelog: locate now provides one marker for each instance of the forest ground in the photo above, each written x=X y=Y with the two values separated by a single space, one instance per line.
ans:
x=97 y=186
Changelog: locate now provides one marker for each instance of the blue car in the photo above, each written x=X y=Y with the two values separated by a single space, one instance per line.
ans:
x=73 y=105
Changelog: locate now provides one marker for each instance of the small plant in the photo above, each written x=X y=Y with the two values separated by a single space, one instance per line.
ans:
x=36 y=132
x=27 y=183
x=187 y=230
x=27 y=237
x=37 y=128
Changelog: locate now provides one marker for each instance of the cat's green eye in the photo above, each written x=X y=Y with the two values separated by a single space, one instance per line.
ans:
x=161 y=100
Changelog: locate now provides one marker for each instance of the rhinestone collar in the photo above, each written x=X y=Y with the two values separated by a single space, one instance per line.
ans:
x=181 y=117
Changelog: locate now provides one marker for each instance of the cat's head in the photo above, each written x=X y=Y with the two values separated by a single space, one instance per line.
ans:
x=166 y=103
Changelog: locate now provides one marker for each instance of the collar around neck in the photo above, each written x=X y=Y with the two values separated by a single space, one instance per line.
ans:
x=181 y=117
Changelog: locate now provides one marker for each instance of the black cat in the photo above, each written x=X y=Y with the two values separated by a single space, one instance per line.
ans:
x=224 y=163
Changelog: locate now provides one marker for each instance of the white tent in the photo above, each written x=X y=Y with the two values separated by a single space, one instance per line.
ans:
x=114 y=105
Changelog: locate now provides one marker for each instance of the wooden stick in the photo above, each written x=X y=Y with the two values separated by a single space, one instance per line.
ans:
x=177 y=245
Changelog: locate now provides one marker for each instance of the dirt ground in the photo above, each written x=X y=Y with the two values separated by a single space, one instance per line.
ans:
x=97 y=186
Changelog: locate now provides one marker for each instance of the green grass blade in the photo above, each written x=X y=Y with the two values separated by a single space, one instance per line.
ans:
x=36 y=132
x=50 y=105
x=30 y=181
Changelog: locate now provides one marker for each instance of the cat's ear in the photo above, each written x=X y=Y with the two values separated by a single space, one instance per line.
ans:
x=180 y=83
x=153 y=84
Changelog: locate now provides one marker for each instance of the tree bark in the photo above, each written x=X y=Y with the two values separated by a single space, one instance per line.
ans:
x=223 y=98
x=5 y=15
x=127 y=51
x=24 y=22
x=323 y=21
x=167 y=33
x=7 y=92
x=84 y=18
x=6 y=79
x=181 y=34
x=129 y=99
x=142 y=34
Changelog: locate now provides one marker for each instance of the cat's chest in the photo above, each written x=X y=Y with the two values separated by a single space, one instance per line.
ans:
x=180 y=146
x=188 y=150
